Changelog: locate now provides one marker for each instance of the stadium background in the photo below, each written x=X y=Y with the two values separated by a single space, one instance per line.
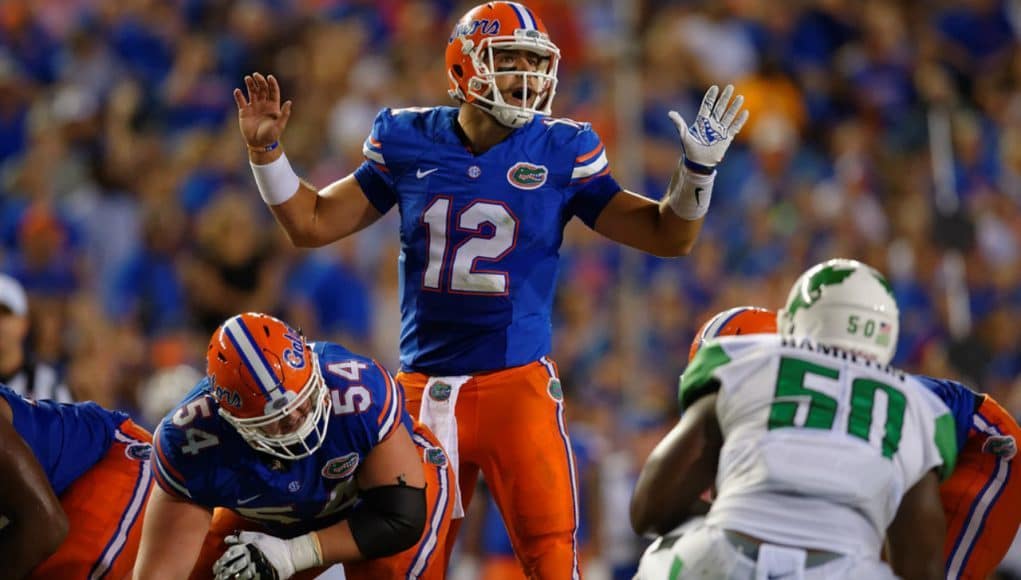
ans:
x=880 y=130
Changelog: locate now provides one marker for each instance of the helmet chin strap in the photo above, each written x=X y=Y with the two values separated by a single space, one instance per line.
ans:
x=506 y=116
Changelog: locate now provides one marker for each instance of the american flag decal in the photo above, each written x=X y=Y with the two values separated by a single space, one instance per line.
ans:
x=883 y=336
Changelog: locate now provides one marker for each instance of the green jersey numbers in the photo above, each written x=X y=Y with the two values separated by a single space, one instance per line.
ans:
x=863 y=402
x=796 y=404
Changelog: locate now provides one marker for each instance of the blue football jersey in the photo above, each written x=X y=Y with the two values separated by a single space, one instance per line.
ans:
x=66 y=438
x=962 y=401
x=202 y=458
x=480 y=234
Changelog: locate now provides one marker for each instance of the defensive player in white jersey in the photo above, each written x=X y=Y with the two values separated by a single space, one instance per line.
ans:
x=813 y=441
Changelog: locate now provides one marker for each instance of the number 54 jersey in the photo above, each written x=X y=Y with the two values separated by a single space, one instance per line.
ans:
x=819 y=445
x=202 y=459
x=480 y=234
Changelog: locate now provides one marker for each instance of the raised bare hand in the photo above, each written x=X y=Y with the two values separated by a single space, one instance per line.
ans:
x=261 y=117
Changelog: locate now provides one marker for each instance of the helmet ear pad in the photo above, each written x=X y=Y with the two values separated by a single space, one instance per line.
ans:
x=843 y=303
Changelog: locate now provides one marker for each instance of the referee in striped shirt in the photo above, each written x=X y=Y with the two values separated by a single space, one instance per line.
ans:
x=17 y=369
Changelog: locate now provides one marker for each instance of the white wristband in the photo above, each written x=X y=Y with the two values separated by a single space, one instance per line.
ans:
x=276 y=180
x=689 y=193
x=305 y=552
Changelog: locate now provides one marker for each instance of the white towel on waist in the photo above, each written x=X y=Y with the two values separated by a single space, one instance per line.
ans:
x=438 y=403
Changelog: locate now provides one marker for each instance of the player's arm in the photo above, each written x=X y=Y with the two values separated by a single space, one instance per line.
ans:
x=175 y=523
x=679 y=469
x=36 y=523
x=311 y=218
x=917 y=532
x=172 y=536
x=392 y=514
x=389 y=519
x=670 y=227
x=641 y=223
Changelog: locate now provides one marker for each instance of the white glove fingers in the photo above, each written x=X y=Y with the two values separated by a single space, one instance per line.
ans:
x=706 y=108
x=721 y=103
x=250 y=537
x=233 y=560
x=735 y=128
x=679 y=122
x=735 y=106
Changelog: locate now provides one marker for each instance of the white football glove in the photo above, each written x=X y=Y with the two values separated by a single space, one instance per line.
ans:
x=256 y=556
x=703 y=145
x=706 y=141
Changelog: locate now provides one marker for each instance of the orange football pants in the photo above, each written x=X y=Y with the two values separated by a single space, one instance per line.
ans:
x=981 y=497
x=104 y=508
x=511 y=426
x=423 y=560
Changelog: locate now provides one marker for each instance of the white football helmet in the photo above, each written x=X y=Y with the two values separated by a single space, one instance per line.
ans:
x=844 y=303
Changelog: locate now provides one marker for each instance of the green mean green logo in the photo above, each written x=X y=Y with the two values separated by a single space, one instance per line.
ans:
x=811 y=288
x=884 y=282
x=524 y=175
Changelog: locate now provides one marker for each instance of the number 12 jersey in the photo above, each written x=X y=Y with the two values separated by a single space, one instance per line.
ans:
x=480 y=234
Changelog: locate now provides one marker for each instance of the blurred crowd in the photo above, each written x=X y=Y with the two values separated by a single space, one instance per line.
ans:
x=887 y=131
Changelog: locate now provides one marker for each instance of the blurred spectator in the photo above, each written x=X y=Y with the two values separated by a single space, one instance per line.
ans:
x=18 y=370
x=327 y=297
x=233 y=269
x=161 y=392
x=146 y=291
x=14 y=106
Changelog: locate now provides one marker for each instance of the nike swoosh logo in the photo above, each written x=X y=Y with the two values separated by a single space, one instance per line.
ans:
x=420 y=174
x=248 y=499
x=698 y=195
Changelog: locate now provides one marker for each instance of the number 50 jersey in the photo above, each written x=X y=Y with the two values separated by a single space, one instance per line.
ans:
x=819 y=445
x=480 y=234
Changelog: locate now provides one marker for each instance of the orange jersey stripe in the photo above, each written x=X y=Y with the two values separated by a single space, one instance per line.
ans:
x=590 y=154
x=389 y=396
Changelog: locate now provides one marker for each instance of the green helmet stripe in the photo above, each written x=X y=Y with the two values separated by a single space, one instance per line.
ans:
x=884 y=282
